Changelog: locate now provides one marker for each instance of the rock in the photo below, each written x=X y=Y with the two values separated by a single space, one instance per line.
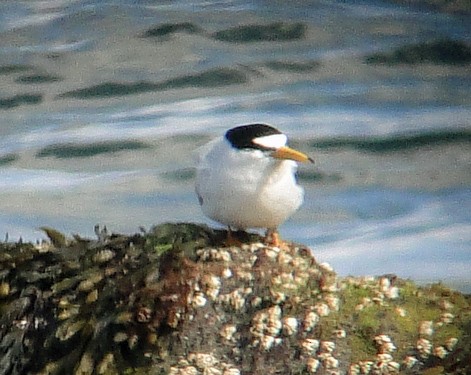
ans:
x=175 y=300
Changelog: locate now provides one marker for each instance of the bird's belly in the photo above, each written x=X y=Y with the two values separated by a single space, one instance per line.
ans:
x=247 y=204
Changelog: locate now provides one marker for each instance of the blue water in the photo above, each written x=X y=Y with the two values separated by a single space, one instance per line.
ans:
x=406 y=211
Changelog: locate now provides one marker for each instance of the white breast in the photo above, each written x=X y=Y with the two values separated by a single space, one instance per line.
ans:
x=246 y=189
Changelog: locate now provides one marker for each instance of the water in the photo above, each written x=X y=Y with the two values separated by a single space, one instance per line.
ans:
x=391 y=189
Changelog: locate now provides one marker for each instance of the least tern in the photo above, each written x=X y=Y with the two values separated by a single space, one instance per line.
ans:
x=246 y=179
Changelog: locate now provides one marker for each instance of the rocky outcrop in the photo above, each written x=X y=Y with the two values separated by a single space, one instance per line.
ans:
x=175 y=300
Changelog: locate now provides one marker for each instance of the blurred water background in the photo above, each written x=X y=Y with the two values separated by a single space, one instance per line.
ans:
x=102 y=104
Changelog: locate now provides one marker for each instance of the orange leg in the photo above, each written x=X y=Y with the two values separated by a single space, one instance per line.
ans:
x=272 y=238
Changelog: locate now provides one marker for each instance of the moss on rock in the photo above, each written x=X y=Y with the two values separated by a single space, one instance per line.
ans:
x=176 y=300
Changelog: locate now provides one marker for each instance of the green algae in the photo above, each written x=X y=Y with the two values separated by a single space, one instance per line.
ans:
x=217 y=77
x=72 y=150
x=277 y=31
x=167 y=29
x=20 y=99
x=449 y=52
x=399 y=317
x=293 y=66
x=14 y=68
x=396 y=143
x=38 y=79
x=8 y=159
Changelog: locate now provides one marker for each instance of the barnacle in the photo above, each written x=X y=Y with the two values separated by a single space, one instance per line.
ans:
x=179 y=302
x=426 y=328
x=104 y=256
x=312 y=364
x=310 y=346
x=290 y=325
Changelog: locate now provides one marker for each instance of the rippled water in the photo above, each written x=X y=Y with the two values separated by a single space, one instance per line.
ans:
x=103 y=103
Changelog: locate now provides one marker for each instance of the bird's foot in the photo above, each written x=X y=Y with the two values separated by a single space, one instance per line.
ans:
x=272 y=238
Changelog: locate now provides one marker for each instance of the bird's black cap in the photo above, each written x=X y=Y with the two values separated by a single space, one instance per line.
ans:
x=242 y=137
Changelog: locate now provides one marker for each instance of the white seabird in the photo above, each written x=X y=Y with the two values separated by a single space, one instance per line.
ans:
x=246 y=179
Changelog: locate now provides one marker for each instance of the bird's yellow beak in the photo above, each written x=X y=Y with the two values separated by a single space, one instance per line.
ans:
x=291 y=154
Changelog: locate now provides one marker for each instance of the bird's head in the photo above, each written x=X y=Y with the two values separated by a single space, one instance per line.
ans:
x=266 y=139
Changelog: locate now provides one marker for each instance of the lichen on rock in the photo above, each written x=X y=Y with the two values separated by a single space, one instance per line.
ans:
x=176 y=300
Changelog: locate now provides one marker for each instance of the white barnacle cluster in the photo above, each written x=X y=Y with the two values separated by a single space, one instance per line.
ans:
x=312 y=365
x=44 y=246
x=440 y=352
x=310 y=320
x=384 y=344
x=284 y=279
x=266 y=328
x=255 y=301
x=363 y=367
x=326 y=267
x=383 y=362
x=365 y=303
x=329 y=362
x=203 y=364
x=284 y=258
x=277 y=296
x=426 y=328
x=387 y=288
x=446 y=318
x=451 y=343
x=226 y=273
x=199 y=300
x=285 y=283
x=103 y=256
x=228 y=331
x=244 y=275
x=400 y=311
x=214 y=254
x=446 y=305
x=322 y=309
x=290 y=325
x=253 y=247
x=184 y=370
x=202 y=360
x=236 y=299
x=270 y=252
x=327 y=346
x=328 y=279
x=319 y=352
x=310 y=346
x=196 y=298
x=410 y=361
x=424 y=347
x=333 y=302
x=212 y=285
x=382 y=290
x=340 y=333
